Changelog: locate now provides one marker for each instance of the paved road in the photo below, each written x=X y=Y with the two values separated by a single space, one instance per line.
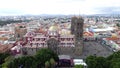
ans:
x=94 y=48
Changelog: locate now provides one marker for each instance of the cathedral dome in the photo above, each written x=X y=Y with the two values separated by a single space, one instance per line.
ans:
x=65 y=32
x=53 y=28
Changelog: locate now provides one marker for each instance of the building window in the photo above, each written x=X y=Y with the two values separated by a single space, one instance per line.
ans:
x=68 y=39
x=38 y=39
x=72 y=39
x=33 y=39
x=61 y=44
x=78 y=23
x=68 y=44
x=62 y=39
x=43 y=39
x=31 y=44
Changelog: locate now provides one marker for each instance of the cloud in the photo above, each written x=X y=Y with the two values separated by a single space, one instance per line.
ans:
x=5 y=12
x=59 y=6
x=108 y=10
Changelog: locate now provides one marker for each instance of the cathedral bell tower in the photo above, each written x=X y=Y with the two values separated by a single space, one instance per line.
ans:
x=77 y=30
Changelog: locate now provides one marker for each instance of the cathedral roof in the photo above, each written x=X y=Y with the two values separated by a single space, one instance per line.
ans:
x=53 y=28
x=65 y=32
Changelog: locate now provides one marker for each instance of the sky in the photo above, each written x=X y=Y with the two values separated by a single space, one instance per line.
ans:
x=36 y=7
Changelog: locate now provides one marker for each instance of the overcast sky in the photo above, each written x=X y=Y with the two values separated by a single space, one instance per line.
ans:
x=21 y=7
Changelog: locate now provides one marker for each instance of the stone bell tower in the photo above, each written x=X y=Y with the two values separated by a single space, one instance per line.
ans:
x=77 y=30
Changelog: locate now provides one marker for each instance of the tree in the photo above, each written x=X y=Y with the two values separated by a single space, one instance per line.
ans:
x=3 y=56
x=96 y=62
x=114 y=55
x=40 y=60
x=44 y=55
x=52 y=62
x=115 y=63
x=101 y=62
x=47 y=64
x=9 y=22
x=22 y=62
x=112 y=61
x=118 y=24
x=91 y=61
x=79 y=66
x=7 y=61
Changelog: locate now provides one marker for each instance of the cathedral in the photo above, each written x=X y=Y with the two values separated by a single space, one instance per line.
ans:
x=64 y=39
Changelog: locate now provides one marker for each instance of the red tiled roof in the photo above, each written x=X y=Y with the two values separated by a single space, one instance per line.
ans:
x=4 y=48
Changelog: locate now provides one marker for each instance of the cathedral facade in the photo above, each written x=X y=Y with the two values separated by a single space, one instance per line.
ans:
x=61 y=39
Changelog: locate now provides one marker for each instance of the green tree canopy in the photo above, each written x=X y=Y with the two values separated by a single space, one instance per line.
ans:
x=118 y=24
x=37 y=61
x=26 y=62
x=79 y=66
x=112 y=61
x=3 y=56
x=45 y=55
